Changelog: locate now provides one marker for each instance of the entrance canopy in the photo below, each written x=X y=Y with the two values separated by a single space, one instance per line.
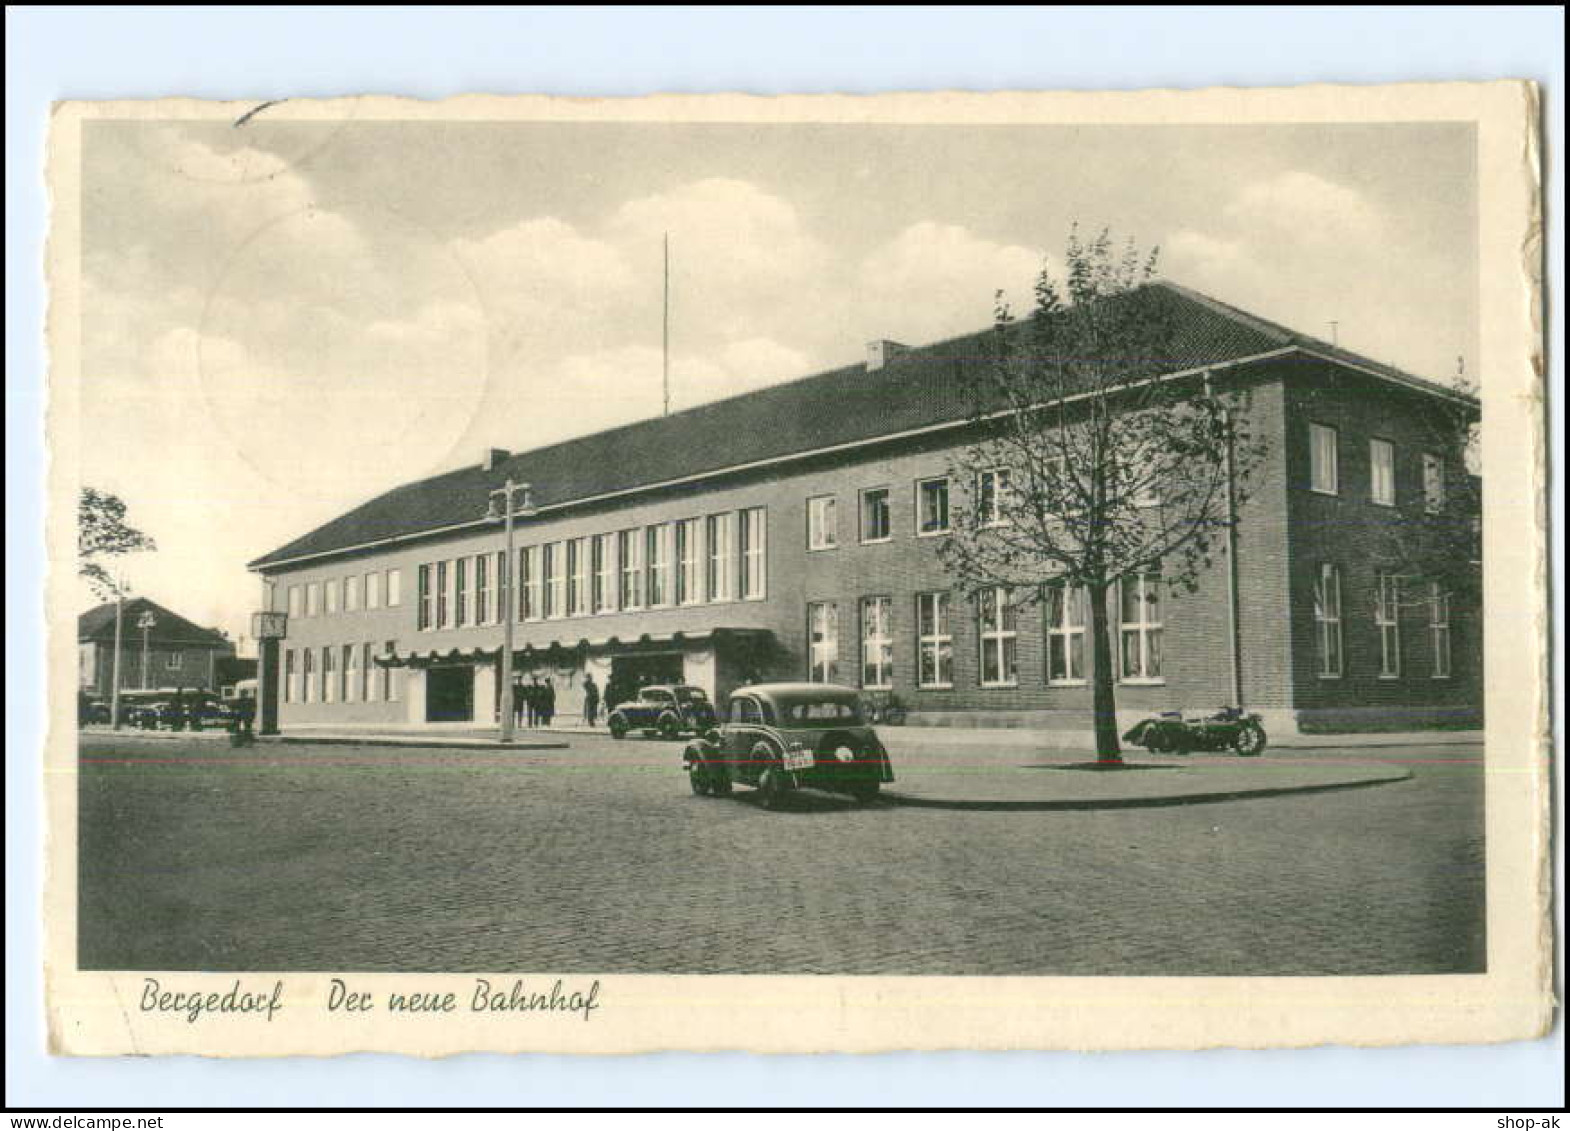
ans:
x=758 y=638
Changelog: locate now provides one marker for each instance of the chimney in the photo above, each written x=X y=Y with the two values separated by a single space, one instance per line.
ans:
x=494 y=457
x=881 y=352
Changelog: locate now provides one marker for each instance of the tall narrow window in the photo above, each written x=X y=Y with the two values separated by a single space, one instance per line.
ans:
x=877 y=642
x=389 y=684
x=876 y=524
x=555 y=579
x=294 y=602
x=461 y=606
x=604 y=572
x=657 y=552
x=577 y=577
x=1141 y=627
x=351 y=594
x=823 y=531
x=934 y=641
x=754 y=553
x=721 y=577
x=1433 y=483
x=313 y=599
x=484 y=599
x=1387 y=618
x=427 y=598
x=351 y=673
x=1324 y=472
x=1065 y=616
x=529 y=584
x=932 y=506
x=629 y=552
x=291 y=689
x=394 y=588
x=308 y=674
x=444 y=594
x=992 y=496
x=1439 y=628
x=329 y=676
x=1382 y=472
x=823 y=642
x=689 y=561
x=373 y=590
x=367 y=673
x=997 y=624
x=330 y=596
x=1327 y=620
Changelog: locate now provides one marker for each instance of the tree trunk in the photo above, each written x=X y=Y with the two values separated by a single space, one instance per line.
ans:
x=1102 y=668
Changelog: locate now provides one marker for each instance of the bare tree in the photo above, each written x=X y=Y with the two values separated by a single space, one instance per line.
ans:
x=102 y=532
x=1095 y=466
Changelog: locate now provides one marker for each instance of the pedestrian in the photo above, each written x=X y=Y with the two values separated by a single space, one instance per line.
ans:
x=591 y=700
x=177 y=710
x=520 y=701
x=548 y=701
x=534 y=701
x=245 y=713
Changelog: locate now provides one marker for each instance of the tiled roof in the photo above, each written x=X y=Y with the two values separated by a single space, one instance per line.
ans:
x=97 y=623
x=914 y=389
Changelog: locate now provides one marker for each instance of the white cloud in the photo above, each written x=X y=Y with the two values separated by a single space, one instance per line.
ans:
x=1303 y=207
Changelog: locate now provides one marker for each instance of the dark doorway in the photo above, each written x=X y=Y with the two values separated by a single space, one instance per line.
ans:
x=629 y=673
x=449 y=695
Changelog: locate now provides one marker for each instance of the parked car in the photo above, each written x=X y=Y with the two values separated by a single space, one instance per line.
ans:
x=668 y=710
x=1228 y=729
x=781 y=737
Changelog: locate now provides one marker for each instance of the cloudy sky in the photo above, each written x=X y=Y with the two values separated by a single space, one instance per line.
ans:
x=284 y=319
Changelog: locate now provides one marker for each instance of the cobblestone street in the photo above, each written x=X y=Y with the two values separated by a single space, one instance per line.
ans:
x=598 y=858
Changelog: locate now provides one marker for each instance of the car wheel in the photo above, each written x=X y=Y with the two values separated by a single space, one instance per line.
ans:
x=772 y=789
x=618 y=727
x=669 y=727
x=1249 y=742
x=698 y=778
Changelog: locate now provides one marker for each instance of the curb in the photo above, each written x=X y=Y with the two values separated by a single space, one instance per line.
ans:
x=1153 y=802
x=421 y=744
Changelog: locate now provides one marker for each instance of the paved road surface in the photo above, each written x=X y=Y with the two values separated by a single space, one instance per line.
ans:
x=598 y=858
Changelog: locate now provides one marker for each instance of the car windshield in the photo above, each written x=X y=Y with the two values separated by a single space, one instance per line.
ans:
x=692 y=695
x=807 y=712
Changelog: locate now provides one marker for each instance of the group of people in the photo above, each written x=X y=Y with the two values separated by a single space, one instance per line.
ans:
x=534 y=702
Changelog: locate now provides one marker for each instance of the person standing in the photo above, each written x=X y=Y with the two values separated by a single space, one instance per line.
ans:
x=591 y=700
x=548 y=702
x=520 y=701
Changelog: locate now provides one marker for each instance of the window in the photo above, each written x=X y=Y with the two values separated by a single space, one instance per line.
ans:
x=291 y=689
x=461 y=607
x=351 y=672
x=330 y=596
x=722 y=557
x=875 y=522
x=367 y=673
x=1439 y=628
x=744 y=711
x=689 y=575
x=427 y=597
x=444 y=594
x=484 y=599
x=754 y=550
x=174 y=661
x=1382 y=472
x=394 y=588
x=998 y=633
x=351 y=594
x=308 y=666
x=604 y=567
x=373 y=591
x=1327 y=620
x=1387 y=617
x=1065 y=615
x=329 y=676
x=657 y=551
x=1140 y=622
x=554 y=578
x=823 y=642
x=389 y=685
x=294 y=602
x=823 y=530
x=992 y=496
x=1324 y=474
x=577 y=577
x=1433 y=483
x=934 y=641
x=529 y=583
x=877 y=642
x=629 y=552
x=932 y=506
x=313 y=599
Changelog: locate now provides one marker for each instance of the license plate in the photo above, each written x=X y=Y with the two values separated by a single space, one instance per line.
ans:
x=798 y=760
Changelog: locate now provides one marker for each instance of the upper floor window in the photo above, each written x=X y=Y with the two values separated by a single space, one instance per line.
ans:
x=1382 y=472
x=722 y=557
x=876 y=524
x=426 y=613
x=461 y=603
x=604 y=569
x=1324 y=472
x=997 y=624
x=373 y=590
x=313 y=599
x=1433 y=483
x=754 y=553
x=484 y=598
x=992 y=496
x=554 y=578
x=1140 y=626
x=657 y=549
x=823 y=528
x=932 y=506
x=1327 y=619
x=529 y=600
x=577 y=577
x=351 y=594
x=444 y=594
x=294 y=602
x=394 y=588
x=629 y=551
x=330 y=596
x=689 y=561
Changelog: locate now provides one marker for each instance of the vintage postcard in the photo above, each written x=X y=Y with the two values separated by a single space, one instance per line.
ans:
x=814 y=573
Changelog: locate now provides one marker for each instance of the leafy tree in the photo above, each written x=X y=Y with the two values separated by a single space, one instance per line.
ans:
x=102 y=532
x=1091 y=464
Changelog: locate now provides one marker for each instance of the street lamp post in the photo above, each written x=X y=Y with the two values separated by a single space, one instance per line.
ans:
x=503 y=507
x=146 y=622
x=119 y=636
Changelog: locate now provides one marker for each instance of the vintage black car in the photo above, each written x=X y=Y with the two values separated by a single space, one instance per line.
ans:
x=668 y=710
x=780 y=737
